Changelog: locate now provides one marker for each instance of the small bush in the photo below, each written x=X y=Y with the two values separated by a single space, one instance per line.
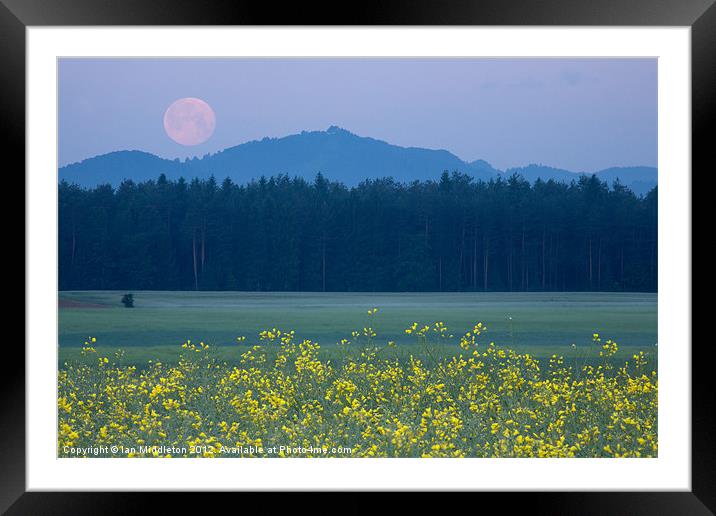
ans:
x=128 y=300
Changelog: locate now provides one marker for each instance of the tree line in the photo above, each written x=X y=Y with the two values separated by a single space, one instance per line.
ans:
x=290 y=234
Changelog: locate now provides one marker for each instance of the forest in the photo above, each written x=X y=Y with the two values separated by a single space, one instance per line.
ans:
x=289 y=234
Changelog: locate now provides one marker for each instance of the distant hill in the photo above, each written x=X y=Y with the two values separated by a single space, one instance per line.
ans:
x=114 y=167
x=339 y=154
x=639 y=179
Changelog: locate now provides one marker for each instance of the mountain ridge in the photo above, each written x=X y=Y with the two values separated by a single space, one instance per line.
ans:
x=336 y=152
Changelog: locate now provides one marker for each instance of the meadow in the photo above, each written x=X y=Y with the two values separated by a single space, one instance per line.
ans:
x=279 y=398
x=411 y=379
x=539 y=323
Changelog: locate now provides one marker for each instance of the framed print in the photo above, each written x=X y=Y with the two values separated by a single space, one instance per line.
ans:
x=437 y=249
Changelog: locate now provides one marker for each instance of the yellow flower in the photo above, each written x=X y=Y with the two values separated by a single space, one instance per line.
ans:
x=431 y=399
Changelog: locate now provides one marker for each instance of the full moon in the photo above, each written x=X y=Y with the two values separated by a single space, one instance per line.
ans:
x=189 y=121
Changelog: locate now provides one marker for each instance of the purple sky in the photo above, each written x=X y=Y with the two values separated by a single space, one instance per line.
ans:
x=582 y=115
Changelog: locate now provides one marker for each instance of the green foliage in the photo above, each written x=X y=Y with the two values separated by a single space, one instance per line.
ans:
x=128 y=300
x=286 y=234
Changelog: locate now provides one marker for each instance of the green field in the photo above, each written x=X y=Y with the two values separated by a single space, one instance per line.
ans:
x=542 y=323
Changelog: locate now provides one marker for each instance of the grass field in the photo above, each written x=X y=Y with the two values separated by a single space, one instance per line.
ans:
x=427 y=394
x=540 y=323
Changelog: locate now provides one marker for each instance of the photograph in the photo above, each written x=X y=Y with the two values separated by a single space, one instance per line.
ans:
x=351 y=257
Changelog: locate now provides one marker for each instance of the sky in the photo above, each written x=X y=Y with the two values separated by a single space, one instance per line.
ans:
x=576 y=114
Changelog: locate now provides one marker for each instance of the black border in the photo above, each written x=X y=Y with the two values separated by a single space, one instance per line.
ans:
x=16 y=15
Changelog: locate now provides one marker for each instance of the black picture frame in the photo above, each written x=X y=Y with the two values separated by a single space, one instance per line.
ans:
x=16 y=15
